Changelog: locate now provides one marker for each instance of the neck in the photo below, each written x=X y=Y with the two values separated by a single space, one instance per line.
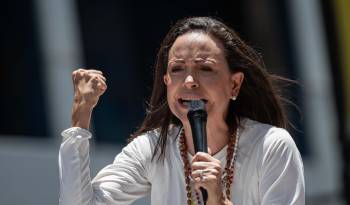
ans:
x=217 y=137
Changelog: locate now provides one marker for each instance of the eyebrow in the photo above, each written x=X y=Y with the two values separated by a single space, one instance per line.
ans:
x=212 y=60
x=196 y=60
x=178 y=60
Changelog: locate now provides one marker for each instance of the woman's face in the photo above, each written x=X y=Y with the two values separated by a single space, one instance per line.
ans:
x=198 y=70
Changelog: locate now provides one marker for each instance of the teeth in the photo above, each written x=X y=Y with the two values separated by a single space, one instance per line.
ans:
x=186 y=101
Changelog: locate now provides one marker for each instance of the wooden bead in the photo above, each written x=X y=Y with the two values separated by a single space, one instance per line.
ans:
x=182 y=139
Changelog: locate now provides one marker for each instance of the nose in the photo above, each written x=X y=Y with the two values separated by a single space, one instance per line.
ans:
x=190 y=83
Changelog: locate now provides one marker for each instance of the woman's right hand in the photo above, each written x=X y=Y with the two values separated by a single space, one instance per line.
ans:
x=88 y=85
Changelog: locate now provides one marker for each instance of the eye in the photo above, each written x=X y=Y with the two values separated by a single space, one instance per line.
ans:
x=176 y=69
x=206 y=69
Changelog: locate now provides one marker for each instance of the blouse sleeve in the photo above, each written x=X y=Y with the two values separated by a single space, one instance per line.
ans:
x=119 y=183
x=282 y=174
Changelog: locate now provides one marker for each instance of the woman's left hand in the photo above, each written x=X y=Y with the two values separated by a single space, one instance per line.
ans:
x=206 y=173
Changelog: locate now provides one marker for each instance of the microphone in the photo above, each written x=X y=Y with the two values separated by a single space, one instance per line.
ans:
x=197 y=117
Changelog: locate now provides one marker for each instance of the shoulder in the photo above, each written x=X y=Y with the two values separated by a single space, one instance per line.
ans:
x=265 y=133
x=275 y=164
x=268 y=139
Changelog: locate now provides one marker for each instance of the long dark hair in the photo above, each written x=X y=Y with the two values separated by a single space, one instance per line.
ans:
x=259 y=97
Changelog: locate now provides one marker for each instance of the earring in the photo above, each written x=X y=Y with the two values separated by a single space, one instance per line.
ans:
x=233 y=98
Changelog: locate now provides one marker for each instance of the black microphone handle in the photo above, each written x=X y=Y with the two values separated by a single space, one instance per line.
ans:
x=198 y=122
x=199 y=132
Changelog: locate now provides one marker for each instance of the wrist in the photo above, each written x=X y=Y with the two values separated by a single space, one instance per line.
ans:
x=220 y=199
x=221 y=202
x=81 y=115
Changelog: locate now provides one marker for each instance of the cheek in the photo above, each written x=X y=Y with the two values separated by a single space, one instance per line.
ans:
x=220 y=93
x=170 y=96
x=219 y=86
x=172 y=103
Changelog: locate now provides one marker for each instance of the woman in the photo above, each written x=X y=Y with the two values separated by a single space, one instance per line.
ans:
x=251 y=160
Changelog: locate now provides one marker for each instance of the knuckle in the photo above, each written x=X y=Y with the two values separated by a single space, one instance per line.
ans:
x=79 y=70
x=216 y=172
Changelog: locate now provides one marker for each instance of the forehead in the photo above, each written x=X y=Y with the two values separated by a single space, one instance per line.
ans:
x=196 y=45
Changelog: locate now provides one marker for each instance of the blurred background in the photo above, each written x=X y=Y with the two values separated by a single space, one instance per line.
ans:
x=43 y=41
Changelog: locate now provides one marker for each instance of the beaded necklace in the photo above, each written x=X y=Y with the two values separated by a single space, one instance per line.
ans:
x=228 y=174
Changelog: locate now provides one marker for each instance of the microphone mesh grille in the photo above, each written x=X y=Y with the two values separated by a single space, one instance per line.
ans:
x=195 y=105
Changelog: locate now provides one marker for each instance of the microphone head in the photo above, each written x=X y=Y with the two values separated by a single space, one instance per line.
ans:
x=196 y=105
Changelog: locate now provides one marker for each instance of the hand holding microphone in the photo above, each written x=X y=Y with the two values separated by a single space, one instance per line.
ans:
x=206 y=170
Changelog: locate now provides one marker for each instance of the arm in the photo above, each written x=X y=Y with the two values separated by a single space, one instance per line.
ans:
x=282 y=174
x=127 y=178
x=119 y=183
x=76 y=186
x=75 y=183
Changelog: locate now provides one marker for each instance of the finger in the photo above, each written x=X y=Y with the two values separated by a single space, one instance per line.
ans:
x=98 y=82
x=82 y=72
x=206 y=172
x=94 y=71
x=97 y=77
x=204 y=179
x=205 y=182
x=102 y=77
x=205 y=165
x=102 y=85
x=198 y=175
x=91 y=75
x=88 y=70
x=201 y=156
x=77 y=74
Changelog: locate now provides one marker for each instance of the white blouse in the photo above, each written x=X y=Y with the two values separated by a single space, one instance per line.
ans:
x=268 y=170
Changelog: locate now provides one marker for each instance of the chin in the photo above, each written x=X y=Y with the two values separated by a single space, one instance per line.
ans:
x=178 y=113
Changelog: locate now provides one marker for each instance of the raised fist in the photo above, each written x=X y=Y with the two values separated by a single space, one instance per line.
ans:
x=89 y=85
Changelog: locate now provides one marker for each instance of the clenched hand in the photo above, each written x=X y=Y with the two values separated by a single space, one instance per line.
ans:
x=88 y=85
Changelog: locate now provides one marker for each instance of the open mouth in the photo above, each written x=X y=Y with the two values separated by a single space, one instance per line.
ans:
x=186 y=102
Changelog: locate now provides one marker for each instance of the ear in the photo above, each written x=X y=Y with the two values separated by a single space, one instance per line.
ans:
x=166 y=79
x=237 y=80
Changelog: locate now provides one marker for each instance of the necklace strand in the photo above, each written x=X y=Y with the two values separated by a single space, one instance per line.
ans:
x=228 y=174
